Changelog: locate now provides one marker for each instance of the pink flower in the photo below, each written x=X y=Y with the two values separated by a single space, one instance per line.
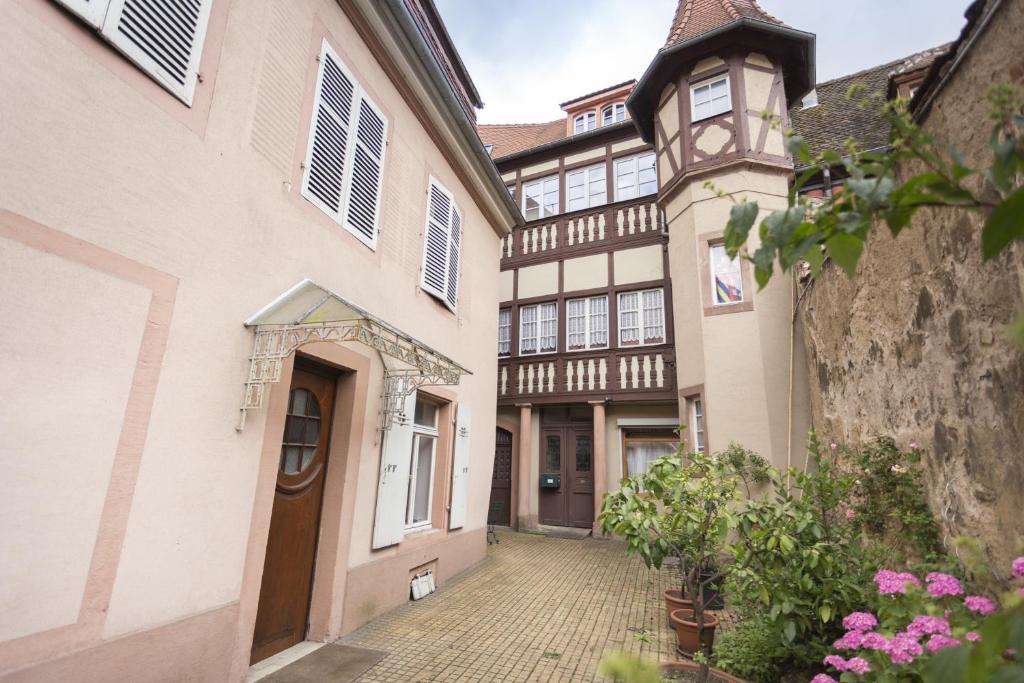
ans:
x=979 y=604
x=850 y=641
x=939 y=642
x=874 y=641
x=850 y=514
x=903 y=648
x=972 y=636
x=890 y=582
x=913 y=445
x=833 y=445
x=858 y=665
x=835 y=661
x=940 y=585
x=923 y=625
x=823 y=678
x=1018 y=567
x=860 y=621
x=1020 y=591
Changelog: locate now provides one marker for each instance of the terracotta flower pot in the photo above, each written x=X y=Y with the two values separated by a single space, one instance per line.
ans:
x=685 y=624
x=693 y=667
x=674 y=600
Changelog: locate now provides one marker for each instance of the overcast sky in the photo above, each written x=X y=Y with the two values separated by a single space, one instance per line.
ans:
x=527 y=56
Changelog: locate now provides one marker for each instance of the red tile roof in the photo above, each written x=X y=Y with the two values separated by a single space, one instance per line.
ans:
x=696 y=17
x=509 y=138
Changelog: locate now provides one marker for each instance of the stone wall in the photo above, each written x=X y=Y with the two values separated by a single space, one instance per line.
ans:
x=915 y=346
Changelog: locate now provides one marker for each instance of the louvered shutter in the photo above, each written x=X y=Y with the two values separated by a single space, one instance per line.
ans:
x=164 y=37
x=435 y=250
x=323 y=181
x=92 y=11
x=460 y=468
x=365 y=177
x=393 y=485
x=454 y=238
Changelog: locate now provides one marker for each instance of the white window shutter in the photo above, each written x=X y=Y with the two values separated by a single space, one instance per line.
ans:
x=326 y=152
x=91 y=11
x=460 y=467
x=435 y=249
x=369 y=135
x=454 y=239
x=393 y=485
x=164 y=37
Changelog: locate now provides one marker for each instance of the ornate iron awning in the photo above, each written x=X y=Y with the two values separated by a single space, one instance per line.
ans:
x=309 y=313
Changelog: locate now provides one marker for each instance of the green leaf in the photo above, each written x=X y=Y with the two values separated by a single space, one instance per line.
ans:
x=815 y=257
x=1004 y=225
x=789 y=630
x=825 y=612
x=741 y=219
x=1008 y=674
x=845 y=250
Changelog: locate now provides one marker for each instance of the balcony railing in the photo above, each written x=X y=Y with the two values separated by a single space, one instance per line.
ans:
x=642 y=373
x=582 y=230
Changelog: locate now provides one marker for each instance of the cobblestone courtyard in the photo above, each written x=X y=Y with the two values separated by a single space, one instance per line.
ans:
x=536 y=609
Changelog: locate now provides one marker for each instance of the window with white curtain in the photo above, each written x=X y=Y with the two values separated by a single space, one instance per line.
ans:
x=586 y=187
x=540 y=198
x=635 y=176
x=642 y=317
x=585 y=122
x=726 y=277
x=421 y=467
x=538 y=328
x=586 y=323
x=504 y=332
x=613 y=113
x=710 y=98
x=697 y=424
x=644 y=447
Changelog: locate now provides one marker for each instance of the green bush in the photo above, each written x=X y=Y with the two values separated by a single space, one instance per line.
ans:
x=750 y=651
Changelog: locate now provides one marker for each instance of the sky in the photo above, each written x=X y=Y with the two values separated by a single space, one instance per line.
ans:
x=527 y=56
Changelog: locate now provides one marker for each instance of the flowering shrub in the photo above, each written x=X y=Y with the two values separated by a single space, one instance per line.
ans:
x=930 y=631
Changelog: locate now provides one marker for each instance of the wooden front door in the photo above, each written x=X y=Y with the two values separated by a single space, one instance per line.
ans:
x=569 y=453
x=283 y=611
x=501 y=480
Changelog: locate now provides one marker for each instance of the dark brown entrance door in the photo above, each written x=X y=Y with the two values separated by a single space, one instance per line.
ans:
x=501 y=479
x=283 y=611
x=569 y=453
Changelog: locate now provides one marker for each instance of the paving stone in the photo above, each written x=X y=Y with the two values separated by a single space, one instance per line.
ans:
x=536 y=609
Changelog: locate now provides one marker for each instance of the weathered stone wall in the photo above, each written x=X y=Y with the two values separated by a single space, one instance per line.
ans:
x=915 y=346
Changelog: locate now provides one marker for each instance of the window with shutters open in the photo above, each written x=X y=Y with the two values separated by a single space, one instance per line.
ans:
x=163 y=37
x=442 y=237
x=344 y=166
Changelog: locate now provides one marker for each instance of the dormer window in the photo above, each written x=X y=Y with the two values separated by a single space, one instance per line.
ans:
x=710 y=98
x=613 y=113
x=585 y=122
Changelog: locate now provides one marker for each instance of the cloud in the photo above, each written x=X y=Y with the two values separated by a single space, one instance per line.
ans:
x=527 y=56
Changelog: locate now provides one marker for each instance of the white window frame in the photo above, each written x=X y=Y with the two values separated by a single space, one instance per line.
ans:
x=547 y=306
x=596 y=174
x=358 y=95
x=613 y=113
x=505 y=332
x=707 y=83
x=697 y=422
x=714 y=277
x=544 y=184
x=634 y=162
x=420 y=432
x=448 y=294
x=642 y=318
x=584 y=122
x=588 y=322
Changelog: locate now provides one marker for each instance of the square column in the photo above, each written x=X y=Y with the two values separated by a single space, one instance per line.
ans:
x=600 y=460
x=526 y=486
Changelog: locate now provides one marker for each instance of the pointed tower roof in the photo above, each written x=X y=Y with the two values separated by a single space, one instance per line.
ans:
x=696 y=17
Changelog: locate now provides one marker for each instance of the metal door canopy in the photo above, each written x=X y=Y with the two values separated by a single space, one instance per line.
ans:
x=308 y=313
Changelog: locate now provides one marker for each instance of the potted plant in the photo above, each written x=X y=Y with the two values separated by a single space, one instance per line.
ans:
x=622 y=668
x=683 y=510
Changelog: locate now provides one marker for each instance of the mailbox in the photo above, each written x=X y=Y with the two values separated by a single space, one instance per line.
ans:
x=550 y=481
